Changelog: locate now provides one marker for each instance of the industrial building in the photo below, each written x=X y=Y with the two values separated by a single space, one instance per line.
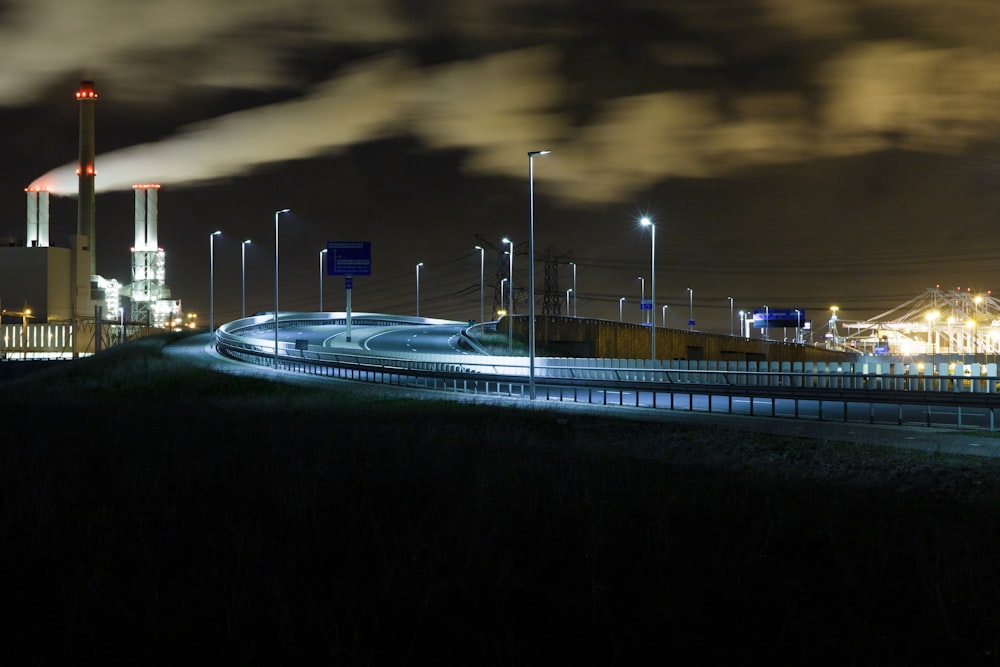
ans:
x=958 y=324
x=53 y=302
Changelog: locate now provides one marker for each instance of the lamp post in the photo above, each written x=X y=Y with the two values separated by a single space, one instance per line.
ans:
x=833 y=325
x=621 y=302
x=743 y=323
x=322 y=254
x=767 y=322
x=664 y=310
x=482 y=264
x=276 y=214
x=798 y=325
x=211 y=282
x=642 y=297
x=419 y=264
x=568 y=292
x=510 y=294
x=243 y=278
x=646 y=222
x=931 y=339
x=690 y=308
x=573 y=264
x=730 y=315
x=503 y=281
x=531 y=269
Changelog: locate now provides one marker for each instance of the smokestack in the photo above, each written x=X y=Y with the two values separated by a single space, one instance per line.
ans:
x=37 y=235
x=146 y=196
x=86 y=171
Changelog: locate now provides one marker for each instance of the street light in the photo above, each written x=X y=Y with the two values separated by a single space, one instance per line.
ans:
x=621 y=301
x=833 y=324
x=419 y=264
x=642 y=297
x=531 y=269
x=568 y=292
x=482 y=264
x=664 y=310
x=573 y=264
x=743 y=322
x=276 y=214
x=503 y=281
x=646 y=222
x=322 y=254
x=690 y=308
x=798 y=325
x=211 y=281
x=730 y=315
x=931 y=316
x=510 y=292
x=243 y=278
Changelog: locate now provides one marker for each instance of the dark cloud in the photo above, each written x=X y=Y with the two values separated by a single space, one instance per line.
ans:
x=783 y=105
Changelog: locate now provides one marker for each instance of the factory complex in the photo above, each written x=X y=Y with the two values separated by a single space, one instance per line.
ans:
x=54 y=304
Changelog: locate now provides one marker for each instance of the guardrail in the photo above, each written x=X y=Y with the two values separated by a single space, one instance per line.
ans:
x=962 y=396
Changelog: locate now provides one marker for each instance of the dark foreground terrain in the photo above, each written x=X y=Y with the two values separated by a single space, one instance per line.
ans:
x=158 y=513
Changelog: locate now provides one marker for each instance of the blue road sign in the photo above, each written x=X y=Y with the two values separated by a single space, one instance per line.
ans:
x=349 y=258
x=779 y=317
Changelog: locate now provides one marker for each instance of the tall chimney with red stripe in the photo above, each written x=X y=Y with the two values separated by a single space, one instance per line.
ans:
x=85 y=204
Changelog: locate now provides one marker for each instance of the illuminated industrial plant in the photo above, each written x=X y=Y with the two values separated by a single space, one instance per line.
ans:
x=75 y=310
x=148 y=291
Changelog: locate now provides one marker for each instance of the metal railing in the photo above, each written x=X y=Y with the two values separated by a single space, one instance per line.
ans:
x=963 y=396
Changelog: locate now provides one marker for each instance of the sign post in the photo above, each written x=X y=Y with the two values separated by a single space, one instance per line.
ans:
x=779 y=317
x=348 y=259
x=646 y=304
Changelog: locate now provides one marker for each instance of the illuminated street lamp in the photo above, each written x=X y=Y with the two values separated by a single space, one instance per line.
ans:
x=730 y=315
x=211 y=282
x=951 y=321
x=482 y=264
x=798 y=326
x=573 y=264
x=322 y=254
x=743 y=322
x=503 y=281
x=621 y=302
x=568 y=292
x=833 y=324
x=276 y=214
x=646 y=222
x=690 y=308
x=642 y=297
x=419 y=264
x=510 y=292
x=664 y=310
x=243 y=278
x=531 y=270
x=932 y=345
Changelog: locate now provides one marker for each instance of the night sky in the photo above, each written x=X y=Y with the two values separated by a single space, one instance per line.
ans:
x=793 y=153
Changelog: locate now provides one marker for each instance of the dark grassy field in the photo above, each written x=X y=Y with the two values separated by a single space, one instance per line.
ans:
x=157 y=513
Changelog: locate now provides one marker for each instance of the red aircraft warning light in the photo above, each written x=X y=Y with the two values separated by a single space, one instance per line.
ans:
x=86 y=91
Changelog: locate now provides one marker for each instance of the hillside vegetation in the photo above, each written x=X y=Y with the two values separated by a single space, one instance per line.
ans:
x=151 y=507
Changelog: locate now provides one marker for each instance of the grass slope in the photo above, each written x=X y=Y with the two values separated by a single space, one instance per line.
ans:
x=153 y=512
